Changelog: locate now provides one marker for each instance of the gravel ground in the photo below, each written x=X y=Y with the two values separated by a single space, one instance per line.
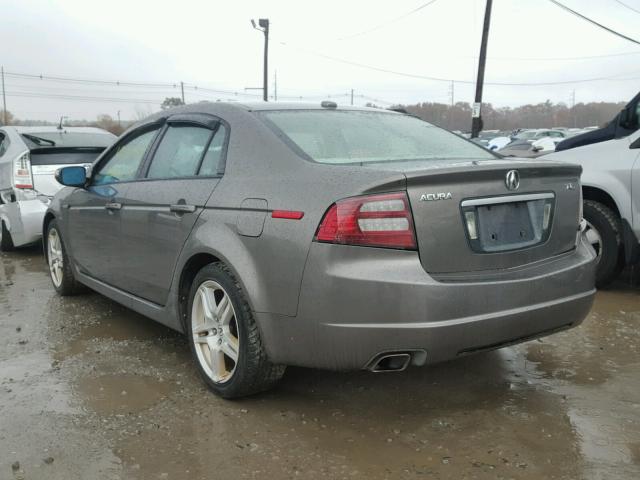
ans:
x=91 y=390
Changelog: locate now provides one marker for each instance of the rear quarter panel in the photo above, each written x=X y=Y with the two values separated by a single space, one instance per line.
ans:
x=260 y=166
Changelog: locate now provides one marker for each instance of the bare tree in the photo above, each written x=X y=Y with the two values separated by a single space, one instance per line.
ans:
x=171 y=102
x=10 y=118
x=541 y=115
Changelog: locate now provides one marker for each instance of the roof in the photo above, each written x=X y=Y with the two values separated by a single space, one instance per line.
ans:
x=53 y=129
x=261 y=106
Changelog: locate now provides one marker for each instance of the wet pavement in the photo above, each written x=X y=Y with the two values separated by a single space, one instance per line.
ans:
x=91 y=390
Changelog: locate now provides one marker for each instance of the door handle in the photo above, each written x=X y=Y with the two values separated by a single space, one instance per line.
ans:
x=113 y=206
x=182 y=208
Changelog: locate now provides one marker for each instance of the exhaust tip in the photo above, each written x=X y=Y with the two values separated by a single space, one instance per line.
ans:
x=392 y=362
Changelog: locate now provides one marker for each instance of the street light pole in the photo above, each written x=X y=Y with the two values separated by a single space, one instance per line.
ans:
x=476 y=122
x=264 y=28
x=4 y=99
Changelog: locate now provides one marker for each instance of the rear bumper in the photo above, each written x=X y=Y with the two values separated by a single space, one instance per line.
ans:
x=24 y=220
x=356 y=303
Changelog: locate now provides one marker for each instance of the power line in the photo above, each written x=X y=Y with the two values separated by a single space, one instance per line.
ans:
x=610 y=30
x=88 y=81
x=81 y=98
x=389 y=22
x=563 y=59
x=468 y=82
x=627 y=6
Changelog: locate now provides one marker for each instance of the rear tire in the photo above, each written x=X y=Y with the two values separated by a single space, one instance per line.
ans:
x=60 y=270
x=6 y=242
x=219 y=327
x=604 y=232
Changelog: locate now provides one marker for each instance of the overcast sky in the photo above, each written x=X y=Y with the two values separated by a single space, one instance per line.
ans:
x=211 y=44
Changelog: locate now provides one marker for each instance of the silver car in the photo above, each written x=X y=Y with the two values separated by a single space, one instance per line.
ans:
x=318 y=236
x=29 y=157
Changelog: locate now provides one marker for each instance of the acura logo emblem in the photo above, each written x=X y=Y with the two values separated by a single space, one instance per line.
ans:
x=512 y=180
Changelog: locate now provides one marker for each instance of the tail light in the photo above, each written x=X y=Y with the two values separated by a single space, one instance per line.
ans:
x=22 y=172
x=383 y=220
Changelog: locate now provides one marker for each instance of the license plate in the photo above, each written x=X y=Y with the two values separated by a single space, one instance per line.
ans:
x=501 y=224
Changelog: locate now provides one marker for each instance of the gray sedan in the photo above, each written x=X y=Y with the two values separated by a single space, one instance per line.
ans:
x=318 y=236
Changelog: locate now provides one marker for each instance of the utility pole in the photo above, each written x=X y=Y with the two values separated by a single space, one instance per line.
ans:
x=352 y=96
x=275 y=85
x=452 y=92
x=4 y=98
x=264 y=28
x=476 y=122
x=453 y=86
x=119 y=124
x=573 y=108
x=182 y=91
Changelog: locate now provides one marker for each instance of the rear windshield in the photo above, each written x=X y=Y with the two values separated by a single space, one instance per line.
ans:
x=68 y=139
x=359 y=137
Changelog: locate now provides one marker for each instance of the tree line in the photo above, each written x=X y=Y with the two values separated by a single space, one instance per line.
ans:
x=540 y=115
x=453 y=117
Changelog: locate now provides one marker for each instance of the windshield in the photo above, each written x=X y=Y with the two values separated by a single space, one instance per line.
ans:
x=69 y=139
x=359 y=137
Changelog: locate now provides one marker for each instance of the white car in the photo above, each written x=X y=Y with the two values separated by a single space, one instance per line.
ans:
x=538 y=133
x=498 y=143
x=29 y=158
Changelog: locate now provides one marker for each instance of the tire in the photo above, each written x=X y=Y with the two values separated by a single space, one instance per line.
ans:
x=213 y=327
x=604 y=232
x=6 y=242
x=61 y=273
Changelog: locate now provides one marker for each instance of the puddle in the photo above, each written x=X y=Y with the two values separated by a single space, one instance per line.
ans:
x=567 y=407
x=119 y=394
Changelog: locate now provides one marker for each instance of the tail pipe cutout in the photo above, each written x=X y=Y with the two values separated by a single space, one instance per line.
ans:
x=396 y=361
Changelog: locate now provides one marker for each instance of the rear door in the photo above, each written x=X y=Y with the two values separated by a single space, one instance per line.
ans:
x=93 y=213
x=161 y=208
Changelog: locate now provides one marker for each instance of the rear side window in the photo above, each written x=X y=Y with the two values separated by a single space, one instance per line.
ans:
x=123 y=165
x=211 y=162
x=180 y=151
x=360 y=137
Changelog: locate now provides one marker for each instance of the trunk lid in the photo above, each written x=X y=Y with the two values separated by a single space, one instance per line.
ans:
x=509 y=223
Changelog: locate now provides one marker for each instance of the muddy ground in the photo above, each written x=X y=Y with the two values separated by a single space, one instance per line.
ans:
x=90 y=390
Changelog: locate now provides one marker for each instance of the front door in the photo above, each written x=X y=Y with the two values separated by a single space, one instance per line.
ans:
x=93 y=214
x=161 y=208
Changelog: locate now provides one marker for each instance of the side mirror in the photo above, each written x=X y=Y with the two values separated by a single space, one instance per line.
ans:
x=537 y=148
x=71 y=176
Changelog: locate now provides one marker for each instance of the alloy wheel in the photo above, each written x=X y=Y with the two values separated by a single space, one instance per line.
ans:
x=595 y=239
x=215 y=331
x=55 y=257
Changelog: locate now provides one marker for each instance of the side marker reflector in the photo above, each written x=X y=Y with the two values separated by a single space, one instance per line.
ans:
x=287 y=214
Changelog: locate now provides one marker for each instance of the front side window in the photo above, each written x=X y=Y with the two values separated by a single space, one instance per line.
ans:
x=124 y=163
x=360 y=137
x=180 y=151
